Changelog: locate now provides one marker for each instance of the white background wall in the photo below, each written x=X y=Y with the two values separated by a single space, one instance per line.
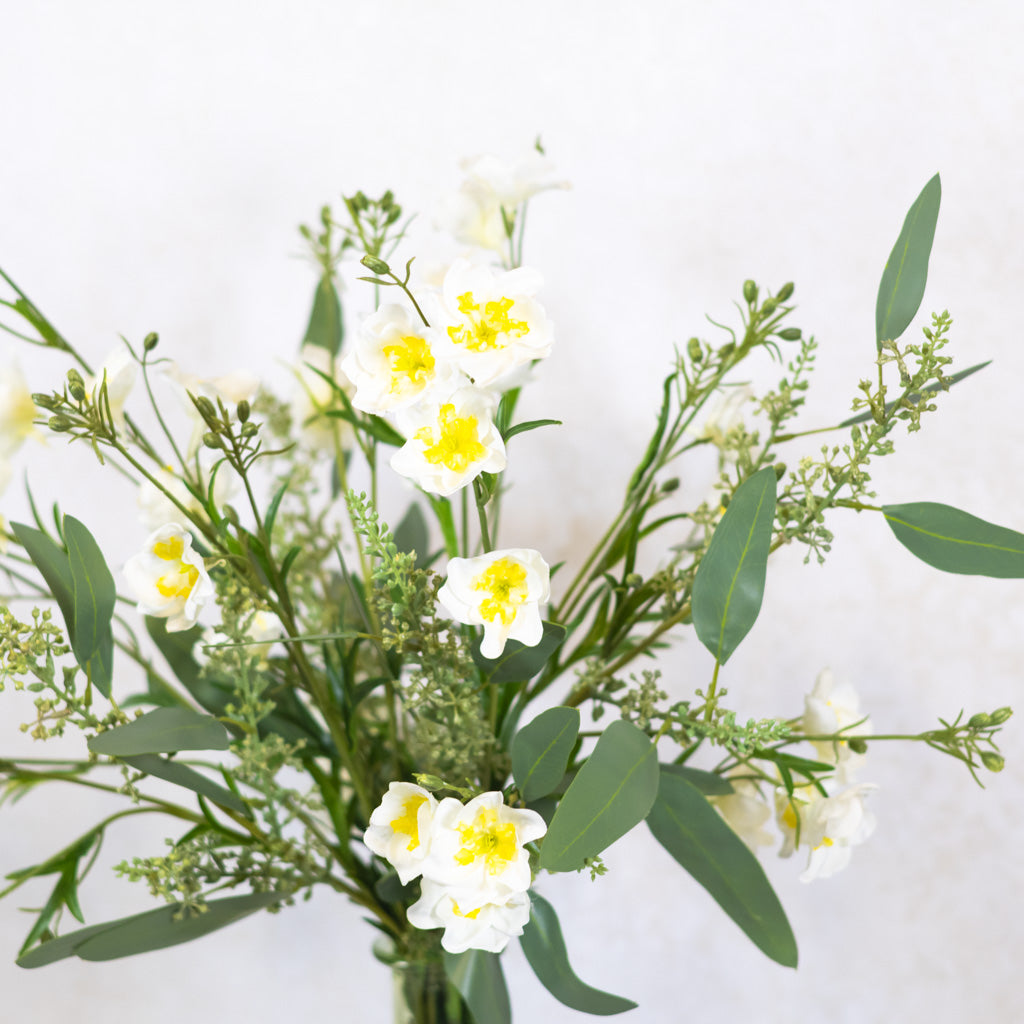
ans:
x=154 y=162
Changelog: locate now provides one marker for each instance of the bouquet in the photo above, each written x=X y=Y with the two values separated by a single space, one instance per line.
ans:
x=402 y=705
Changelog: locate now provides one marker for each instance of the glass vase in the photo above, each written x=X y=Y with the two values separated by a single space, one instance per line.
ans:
x=424 y=995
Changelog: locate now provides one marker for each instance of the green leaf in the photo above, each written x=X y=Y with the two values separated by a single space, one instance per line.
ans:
x=188 y=778
x=326 y=328
x=52 y=562
x=906 y=271
x=94 y=596
x=709 y=783
x=162 y=731
x=544 y=948
x=956 y=541
x=411 y=535
x=729 y=585
x=480 y=981
x=518 y=663
x=541 y=749
x=611 y=793
x=695 y=834
x=522 y=428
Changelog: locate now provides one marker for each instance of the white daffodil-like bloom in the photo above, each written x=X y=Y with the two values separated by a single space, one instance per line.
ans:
x=17 y=411
x=169 y=579
x=119 y=370
x=400 y=829
x=313 y=397
x=829 y=708
x=746 y=812
x=452 y=440
x=501 y=591
x=492 y=323
x=393 y=363
x=469 y=921
x=479 y=847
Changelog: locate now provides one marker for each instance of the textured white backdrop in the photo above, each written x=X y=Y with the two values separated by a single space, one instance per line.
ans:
x=154 y=161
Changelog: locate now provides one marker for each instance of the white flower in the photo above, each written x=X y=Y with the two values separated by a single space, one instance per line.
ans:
x=745 y=811
x=393 y=363
x=17 y=411
x=492 y=322
x=479 y=847
x=169 y=579
x=724 y=412
x=400 y=829
x=470 y=921
x=314 y=397
x=452 y=440
x=119 y=370
x=157 y=509
x=501 y=591
x=828 y=709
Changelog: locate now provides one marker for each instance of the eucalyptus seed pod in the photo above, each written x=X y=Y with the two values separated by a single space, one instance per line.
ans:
x=750 y=292
x=780 y=470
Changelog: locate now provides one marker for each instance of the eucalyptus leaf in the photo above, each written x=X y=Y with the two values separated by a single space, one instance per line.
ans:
x=709 y=783
x=481 y=983
x=906 y=271
x=518 y=663
x=94 y=596
x=545 y=951
x=188 y=778
x=956 y=541
x=52 y=562
x=612 y=792
x=326 y=328
x=162 y=731
x=541 y=749
x=729 y=585
x=695 y=834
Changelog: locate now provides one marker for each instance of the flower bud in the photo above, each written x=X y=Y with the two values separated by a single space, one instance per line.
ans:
x=750 y=292
x=769 y=307
x=212 y=440
x=60 y=423
x=206 y=408
x=992 y=761
x=694 y=350
x=634 y=579
x=790 y=334
x=76 y=386
x=670 y=485
x=780 y=470
x=374 y=263
x=249 y=430
x=151 y=341
x=785 y=291
x=857 y=744
x=47 y=401
x=244 y=409
x=1000 y=715
x=979 y=721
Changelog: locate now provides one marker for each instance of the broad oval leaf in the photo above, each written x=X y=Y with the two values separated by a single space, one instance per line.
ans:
x=695 y=834
x=729 y=585
x=325 y=328
x=709 y=783
x=956 y=541
x=94 y=596
x=611 y=793
x=52 y=562
x=906 y=271
x=518 y=663
x=162 y=731
x=188 y=778
x=544 y=948
x=481 y=982
x=541 y=751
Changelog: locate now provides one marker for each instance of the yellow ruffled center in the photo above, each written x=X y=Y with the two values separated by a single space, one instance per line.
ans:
x=470 y=914
x=504 y=582
x=489 y=839
x=411 y=363
x=487 y=327
x=408 y=822
x=456 y=442
x=179 y=580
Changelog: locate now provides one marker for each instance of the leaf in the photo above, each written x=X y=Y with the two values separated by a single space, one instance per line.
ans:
x=411 y=536
x=154 y=929
x=522 y=428
x=188 y=778
x=906 y=271
x=709 y=783
x=518 y=663
x=325 y=328
x=480 y=981
x=917 y=396
x=94 y=596
x=611 y=793
x=544 y=948
x=694 y=833
x=52 y=562
x=956 y=541
x=541 y=749
x=729 y=584
x=162 y=731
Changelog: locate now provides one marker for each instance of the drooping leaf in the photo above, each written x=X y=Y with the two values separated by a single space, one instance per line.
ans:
x=695 y=834
x=611 y=793
x=325 y=328
x=545 y=950
x=709 y=783
x=729 y=585
x=52 y=562
x=541 y=749
x=481 y=982
x=94 y=595
x=162 y=731
x=188 y=778
x=522 y=428
x=906 y=271
x=956 y=541
x=518 y=663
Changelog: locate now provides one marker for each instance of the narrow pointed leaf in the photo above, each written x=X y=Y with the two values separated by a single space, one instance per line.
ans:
x=94 y=595
x=162 y=731
x=611 y=793
x=544 y=948
x=188 y=778
x=325 y=328
x=518 y=663
x=481 y=982
x=956 y=541
x=541 y=751
x=695 y=834
x=906 y=271
x=522 y=428
x=729 y=585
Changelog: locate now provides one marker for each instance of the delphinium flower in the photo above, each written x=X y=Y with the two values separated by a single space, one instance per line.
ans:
x=169 y=579
x=452 y=439
x=828 y=709
x=501 y=591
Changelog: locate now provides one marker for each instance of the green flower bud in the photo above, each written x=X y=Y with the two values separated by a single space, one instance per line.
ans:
x=992 y=761
x=378 y=266
x=790 y=334
x=750 y=292
x=670 y=485
x=785 y=291
x=1000 y=715
x=857 y=744
x=47 y=401
x=780 y=470
x=249 y=430
x=212 y=440
x=206 y=408
x=60 y=423
x=634 y=579
x=151 y=341
x=979 y=721
x=694 y=350
x=76 y=386
x=769 y=307
x=387 y=199
x=244 y=409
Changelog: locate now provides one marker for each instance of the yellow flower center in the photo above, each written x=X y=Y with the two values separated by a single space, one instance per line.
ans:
x=825 y=842
x=487 y=326
x=789 y=816
x=409 y=358
x=456 y=444
x=486 y=838
x=180 y=580
x=471 y=914
x=408 y=821
x=504 y=581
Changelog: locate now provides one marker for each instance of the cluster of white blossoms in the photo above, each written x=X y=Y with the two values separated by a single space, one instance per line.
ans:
x=472 y=860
